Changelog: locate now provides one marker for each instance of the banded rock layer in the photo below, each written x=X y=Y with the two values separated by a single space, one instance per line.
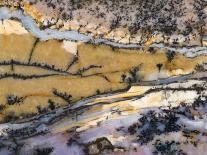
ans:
x=103 y=77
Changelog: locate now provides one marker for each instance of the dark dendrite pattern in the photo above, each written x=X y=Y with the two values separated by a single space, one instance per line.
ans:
x=162 y=122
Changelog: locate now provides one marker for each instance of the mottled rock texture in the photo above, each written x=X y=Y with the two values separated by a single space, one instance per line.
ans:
x=124 y=21
x=103 y=77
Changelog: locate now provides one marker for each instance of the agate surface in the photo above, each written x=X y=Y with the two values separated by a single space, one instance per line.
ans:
x=103 y=77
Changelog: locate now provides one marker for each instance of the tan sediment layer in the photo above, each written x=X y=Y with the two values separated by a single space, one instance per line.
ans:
x=112 y=64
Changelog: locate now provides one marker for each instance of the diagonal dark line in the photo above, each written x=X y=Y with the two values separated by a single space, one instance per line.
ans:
x=74 y=61
x=32 y=50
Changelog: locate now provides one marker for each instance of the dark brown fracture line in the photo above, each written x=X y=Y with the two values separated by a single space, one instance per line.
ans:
x=101 y=73
x=84 y=69
x=174 y=79
x=105 y=77
x=34 y=64
x=32 y=50
x=24 y=77
x=12 y=65
x=74 y=61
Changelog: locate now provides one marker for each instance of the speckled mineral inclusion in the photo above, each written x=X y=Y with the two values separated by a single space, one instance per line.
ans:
x=174 y=22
